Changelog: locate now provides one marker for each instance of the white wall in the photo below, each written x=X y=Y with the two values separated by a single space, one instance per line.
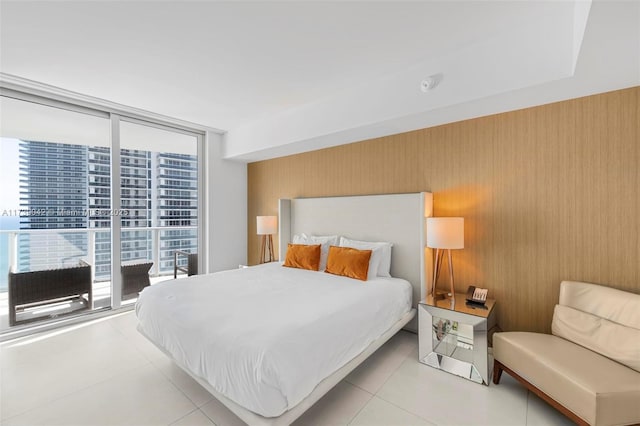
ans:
x=227 y=217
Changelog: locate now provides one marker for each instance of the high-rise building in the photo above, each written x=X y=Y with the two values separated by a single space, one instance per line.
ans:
x=71 y=184
x=176 y=198
x=135 y=199
x=99 y=189
x=53 y=195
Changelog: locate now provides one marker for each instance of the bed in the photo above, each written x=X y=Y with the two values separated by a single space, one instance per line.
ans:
x=269 y=341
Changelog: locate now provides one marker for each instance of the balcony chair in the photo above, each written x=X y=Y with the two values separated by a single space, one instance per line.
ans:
x=37 y=288
x=135 y=277
x=192 y=263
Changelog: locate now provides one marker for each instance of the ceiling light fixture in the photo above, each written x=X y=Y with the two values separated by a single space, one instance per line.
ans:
x=430 y=82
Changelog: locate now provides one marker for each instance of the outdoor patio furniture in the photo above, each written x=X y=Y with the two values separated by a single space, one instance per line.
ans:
x=135 y=277
x=36 y=288
x=192 y=263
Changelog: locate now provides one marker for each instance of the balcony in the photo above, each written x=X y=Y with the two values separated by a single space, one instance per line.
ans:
x=27 y=250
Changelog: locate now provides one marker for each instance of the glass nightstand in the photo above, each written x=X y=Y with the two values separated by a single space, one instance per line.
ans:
x=454 y=336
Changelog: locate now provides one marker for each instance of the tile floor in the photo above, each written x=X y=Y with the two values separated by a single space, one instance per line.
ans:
x=106 y=373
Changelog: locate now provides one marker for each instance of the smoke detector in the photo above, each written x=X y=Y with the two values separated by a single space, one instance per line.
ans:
x=430 y=82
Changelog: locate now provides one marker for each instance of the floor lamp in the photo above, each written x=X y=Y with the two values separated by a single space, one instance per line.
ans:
x=267 y=226
x=444 y=233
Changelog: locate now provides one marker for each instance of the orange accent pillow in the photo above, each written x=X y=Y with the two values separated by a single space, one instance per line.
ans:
x=303 y=256
x=348 y=262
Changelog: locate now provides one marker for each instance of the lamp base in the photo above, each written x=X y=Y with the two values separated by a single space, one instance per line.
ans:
x=266 y=249
x=439 y=294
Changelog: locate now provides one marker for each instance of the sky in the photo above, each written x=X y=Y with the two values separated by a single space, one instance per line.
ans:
x=9 y=181
x=9 y=200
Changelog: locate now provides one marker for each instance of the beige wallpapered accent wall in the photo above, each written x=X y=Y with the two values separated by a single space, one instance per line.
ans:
x=548 y=193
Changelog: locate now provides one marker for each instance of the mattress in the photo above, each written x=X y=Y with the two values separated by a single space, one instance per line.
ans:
x=265 y=336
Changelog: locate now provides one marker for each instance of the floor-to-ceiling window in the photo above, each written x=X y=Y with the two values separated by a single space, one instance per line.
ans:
x=159 y=194
x=60 y=202
x=50 y=185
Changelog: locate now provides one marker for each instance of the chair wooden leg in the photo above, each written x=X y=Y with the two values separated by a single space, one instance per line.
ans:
x=497 y=372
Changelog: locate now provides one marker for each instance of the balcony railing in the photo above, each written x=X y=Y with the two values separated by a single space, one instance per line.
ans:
x=156 y=240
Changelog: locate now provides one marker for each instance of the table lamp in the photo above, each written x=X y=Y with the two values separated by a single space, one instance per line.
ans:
x=267 y=226
x=444 y=233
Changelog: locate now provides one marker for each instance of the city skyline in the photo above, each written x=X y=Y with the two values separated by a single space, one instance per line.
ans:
x=67 y=186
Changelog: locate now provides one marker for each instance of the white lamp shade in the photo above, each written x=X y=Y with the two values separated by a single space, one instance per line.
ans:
x=267 y=225
x=445 y=232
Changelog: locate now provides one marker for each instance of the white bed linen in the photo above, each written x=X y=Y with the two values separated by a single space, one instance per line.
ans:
x=265 y=336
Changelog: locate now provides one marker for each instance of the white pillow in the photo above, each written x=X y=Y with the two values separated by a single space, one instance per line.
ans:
x=380 y=255
x=299 y=239
x=324 y=241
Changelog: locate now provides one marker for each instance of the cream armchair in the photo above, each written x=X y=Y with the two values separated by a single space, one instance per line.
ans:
x=589 y=367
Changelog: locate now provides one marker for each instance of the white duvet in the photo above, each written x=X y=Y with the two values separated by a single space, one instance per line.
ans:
x=266 y=336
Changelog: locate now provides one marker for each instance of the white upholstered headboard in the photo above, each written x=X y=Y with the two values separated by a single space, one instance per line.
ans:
x=397 y=218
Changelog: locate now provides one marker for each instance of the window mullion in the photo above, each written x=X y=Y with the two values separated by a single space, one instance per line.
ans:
x=116 y=224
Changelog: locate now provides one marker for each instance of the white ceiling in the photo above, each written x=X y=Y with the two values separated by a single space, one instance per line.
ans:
x=283 y=77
